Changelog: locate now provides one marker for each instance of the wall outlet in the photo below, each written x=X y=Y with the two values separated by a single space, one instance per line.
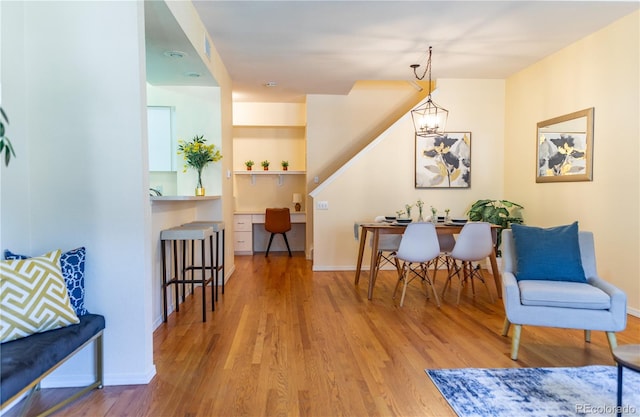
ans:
x=322 y=205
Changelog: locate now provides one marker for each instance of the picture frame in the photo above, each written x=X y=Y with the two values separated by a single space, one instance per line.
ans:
x=564 y=148
x=443 y=161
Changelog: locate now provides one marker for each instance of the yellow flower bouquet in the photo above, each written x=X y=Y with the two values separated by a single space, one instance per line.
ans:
x=197 y=155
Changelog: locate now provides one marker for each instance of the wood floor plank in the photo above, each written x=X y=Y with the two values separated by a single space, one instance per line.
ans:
x=286 y=341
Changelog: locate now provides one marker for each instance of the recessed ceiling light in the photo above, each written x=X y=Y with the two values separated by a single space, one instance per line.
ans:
x=192 y=74
x=175 y=54
x=270 y=84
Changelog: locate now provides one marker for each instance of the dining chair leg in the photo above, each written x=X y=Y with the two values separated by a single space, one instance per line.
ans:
x=433 y=288
x=463 y=280
x=471 y=274
x=404 y=291
x=400 y=277
x=478 y=273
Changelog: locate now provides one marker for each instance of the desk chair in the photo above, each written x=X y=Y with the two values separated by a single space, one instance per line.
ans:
x=418 y=247
x=277 y=221
x=474 y=244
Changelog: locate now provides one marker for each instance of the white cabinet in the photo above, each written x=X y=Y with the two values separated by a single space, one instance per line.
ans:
x=242 y=234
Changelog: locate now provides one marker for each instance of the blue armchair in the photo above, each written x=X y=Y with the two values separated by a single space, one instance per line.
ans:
x=591 y=305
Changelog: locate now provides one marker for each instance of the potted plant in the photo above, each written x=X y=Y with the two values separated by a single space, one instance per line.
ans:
x=502 y=213
x=249 y=164
x=5 y=143
x=265 y=165
x=285 y=165
x=197 y=155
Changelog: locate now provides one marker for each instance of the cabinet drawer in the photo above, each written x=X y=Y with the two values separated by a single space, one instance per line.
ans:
x=242 y=241
x=242 y=222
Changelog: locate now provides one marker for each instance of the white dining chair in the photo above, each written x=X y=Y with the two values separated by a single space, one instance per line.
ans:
x=418 y=247
x=447 y=243
x=474 y=243
x=387 y=250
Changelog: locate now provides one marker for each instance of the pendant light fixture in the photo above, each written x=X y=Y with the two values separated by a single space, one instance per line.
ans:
x=429 y=119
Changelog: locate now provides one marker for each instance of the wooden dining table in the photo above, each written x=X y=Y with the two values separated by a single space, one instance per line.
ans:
x=378 y=228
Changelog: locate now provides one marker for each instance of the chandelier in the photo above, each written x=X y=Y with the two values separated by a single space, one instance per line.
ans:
x=429 y=119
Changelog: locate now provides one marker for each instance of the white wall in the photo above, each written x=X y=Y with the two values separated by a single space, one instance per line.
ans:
x=380 y=180
x=600 y=71
x=73 y=77
x=197 y=112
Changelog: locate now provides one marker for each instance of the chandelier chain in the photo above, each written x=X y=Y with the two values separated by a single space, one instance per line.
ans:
x=426 y=69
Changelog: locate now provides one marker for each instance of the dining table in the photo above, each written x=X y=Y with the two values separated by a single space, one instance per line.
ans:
x=378 y=228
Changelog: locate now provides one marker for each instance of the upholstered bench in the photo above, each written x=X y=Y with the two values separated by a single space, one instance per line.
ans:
x=44 y=323
x=27 y=361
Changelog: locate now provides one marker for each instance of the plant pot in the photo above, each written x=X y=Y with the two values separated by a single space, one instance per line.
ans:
x=200 y=191
x=248 y=168
x=285 y=168
x=266 y=168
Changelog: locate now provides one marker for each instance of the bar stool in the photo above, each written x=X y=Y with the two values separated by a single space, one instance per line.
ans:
x=218 y=266
x=182 y=234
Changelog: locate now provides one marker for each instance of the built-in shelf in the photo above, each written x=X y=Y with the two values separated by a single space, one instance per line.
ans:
x=185 y=198
x=263 y=172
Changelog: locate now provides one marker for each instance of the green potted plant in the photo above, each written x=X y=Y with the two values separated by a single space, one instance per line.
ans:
x=5 y=143
x=249 y=164
x=265 y=165
x=502 y=213
x=197 y=155
x=285 y=165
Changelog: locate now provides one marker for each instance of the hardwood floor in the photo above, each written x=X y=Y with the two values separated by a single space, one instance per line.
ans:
x=288 y=341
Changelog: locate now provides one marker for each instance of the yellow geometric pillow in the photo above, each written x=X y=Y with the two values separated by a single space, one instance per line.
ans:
x=33 y=297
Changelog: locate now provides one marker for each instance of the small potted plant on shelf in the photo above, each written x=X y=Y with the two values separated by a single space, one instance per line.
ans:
x=265 y=165
x=285 y=165
x=249 y=164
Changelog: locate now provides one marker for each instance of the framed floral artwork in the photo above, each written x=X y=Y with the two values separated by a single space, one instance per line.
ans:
x=443 y=161
x=565 y=148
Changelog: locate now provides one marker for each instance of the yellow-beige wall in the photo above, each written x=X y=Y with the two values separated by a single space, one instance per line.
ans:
x=380 y=180
x=600 y=71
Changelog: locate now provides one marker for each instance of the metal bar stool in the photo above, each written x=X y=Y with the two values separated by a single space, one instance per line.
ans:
x=182 y=234
x=218 y=266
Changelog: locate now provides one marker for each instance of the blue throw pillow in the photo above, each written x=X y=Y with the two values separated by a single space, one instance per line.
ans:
x=551 y=254
x=72 y=266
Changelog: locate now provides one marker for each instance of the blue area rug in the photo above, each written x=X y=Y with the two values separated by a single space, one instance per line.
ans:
x=557 y=392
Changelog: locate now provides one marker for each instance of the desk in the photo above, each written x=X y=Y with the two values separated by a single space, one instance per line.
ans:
x=387 y=228
x=250 y=236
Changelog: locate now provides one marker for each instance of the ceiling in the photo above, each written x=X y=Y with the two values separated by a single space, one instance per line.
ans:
x=323 y=47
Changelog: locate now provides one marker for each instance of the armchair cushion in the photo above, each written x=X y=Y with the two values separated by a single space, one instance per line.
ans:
x=551 y=254
x=563 y=294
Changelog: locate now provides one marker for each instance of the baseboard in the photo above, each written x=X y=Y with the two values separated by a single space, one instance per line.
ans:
x=82 y=380
x=633 y=312
x=337 y=268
